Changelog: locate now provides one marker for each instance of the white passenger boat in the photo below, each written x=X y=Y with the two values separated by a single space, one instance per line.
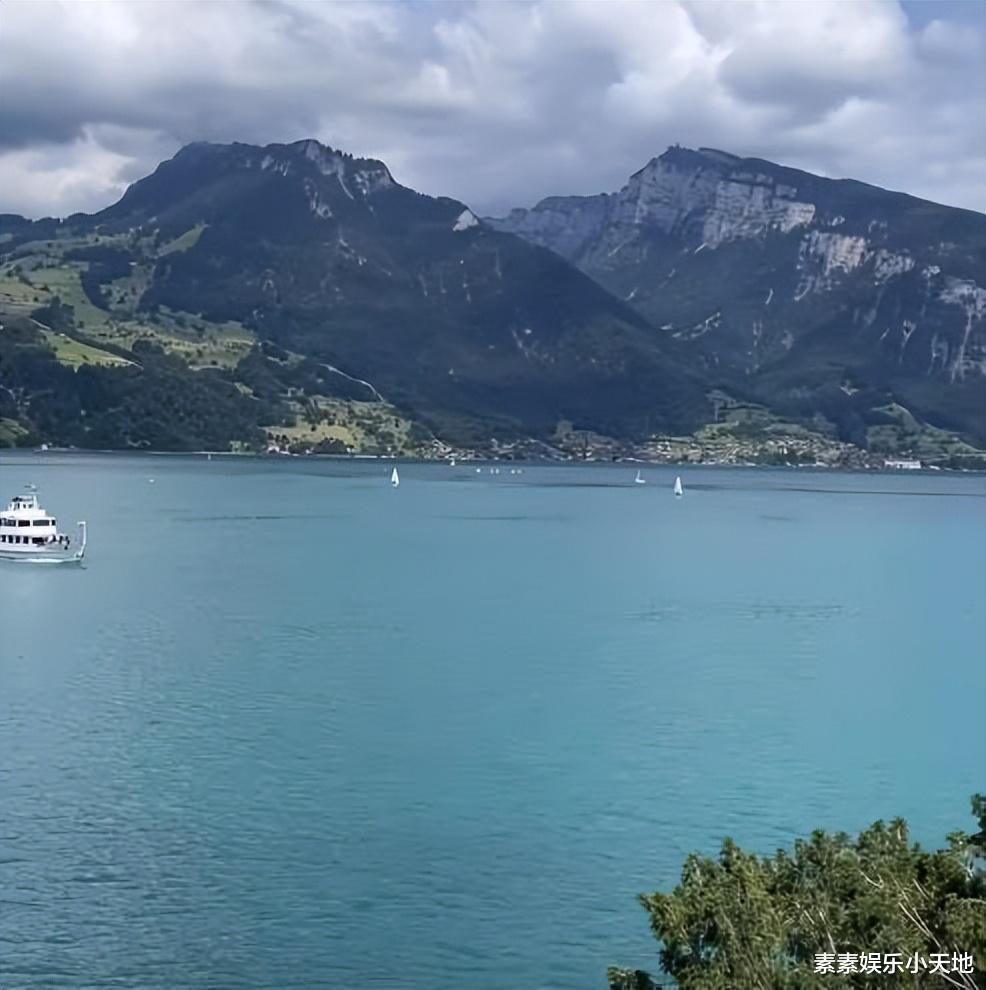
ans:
x=29 y=534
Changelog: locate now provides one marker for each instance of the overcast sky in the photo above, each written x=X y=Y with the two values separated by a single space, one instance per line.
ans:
x=496 y=104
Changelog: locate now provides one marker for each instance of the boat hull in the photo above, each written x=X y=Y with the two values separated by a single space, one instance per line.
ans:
x=51 y=553
x=39 y=555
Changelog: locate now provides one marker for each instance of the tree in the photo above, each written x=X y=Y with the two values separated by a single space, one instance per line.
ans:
x=742 y=922
x=56 y=315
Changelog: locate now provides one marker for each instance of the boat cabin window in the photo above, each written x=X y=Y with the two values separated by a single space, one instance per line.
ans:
x=23 y=522
x=43 y=522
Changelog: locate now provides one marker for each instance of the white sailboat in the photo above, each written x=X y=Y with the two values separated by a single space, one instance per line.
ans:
x=678 y=490
x=395 y=478
x=639 y=480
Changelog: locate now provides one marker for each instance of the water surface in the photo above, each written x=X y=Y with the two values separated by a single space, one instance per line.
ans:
x=290 y=727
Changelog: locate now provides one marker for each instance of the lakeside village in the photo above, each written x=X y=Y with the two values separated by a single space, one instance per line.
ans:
x=743 y=434
x=723 y=449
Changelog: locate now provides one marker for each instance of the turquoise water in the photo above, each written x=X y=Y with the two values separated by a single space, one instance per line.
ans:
x=290 y=727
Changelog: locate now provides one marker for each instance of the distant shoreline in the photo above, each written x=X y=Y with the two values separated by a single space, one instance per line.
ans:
x=487 y=459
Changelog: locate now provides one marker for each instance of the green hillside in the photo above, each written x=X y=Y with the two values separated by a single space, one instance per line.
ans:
x=296 y=297
x=288 y=278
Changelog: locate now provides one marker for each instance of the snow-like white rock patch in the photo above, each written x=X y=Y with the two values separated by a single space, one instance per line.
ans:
x=965 y=293
x=466 y=219
x=833 y=251
x=888 y=264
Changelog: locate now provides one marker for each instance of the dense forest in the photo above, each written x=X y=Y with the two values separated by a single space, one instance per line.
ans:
x=151 y=399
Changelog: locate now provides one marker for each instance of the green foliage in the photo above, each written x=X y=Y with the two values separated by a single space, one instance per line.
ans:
x=743 y=921
x=475 y=333
x=104 y=263
x=472 y=333
x=158 y=403
x=629 y=979
x=330 y=445
x=56 y=315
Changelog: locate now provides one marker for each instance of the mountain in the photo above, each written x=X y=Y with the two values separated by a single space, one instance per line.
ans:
x=294 y=280
x=831 y=301
x=294 y=296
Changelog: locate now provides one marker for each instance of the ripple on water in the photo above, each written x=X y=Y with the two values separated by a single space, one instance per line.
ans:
x=444 y=739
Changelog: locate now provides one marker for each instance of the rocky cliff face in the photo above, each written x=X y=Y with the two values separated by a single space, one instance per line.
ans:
x=844 y=307
x=791 y=286
x=701 y=198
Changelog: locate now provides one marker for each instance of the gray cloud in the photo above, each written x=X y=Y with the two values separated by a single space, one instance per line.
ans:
x=497 y=104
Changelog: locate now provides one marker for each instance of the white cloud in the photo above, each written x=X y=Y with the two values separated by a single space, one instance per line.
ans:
x=494 y=103
x=944 y=40
x=53 y=180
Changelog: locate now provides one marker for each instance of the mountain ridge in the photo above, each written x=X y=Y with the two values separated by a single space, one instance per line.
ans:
x=276 y=279
x=472 y=332
x=763 y=273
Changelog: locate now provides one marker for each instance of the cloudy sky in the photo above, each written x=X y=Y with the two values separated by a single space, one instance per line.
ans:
x=498 y=103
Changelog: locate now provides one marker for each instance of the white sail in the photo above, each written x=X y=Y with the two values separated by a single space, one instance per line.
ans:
x=395 y=478
x=678 y=490
x=639 y=479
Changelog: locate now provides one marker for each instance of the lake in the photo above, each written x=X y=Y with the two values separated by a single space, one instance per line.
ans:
x=290 y=727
